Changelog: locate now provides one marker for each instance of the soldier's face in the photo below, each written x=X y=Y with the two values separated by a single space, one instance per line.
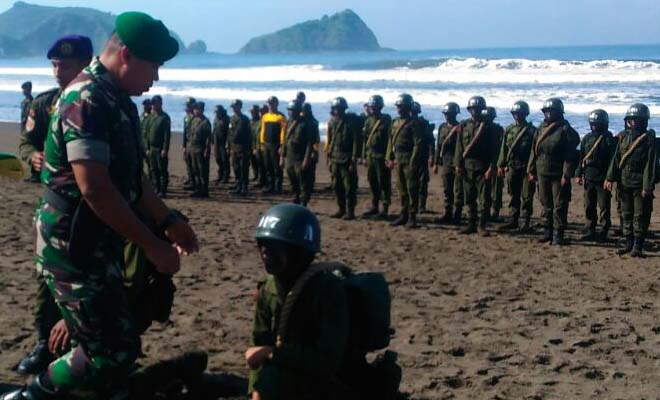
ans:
x=475 y=113
x=598 y=127
x=136 y=76
x=638 y=124
x=65 y=69
x=552 y=115
x=450 y=117
x=519 y=117
x=27 y=91
x=274 y=255
x=197 y=112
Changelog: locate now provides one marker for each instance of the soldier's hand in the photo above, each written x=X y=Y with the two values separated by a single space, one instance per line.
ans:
x=58 y=340
x=281 y=162
x=488 y=174
x=257 y=356
x=305 y=163
x=564 y=181
x=37 y=160
x=435 y=169
x=531 y=178
x=459 y=171
x=164 y=257
x=608 y=185
x=501 y=172
x=183 y=236
x=163 y=154
x=431 y=164
x=647 y=193
x=578 y=180
x=389 y=164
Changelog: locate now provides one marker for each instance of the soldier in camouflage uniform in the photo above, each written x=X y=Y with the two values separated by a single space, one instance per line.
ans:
x=158 y=145
x=344 y=153
x=452 y=186
x=552 y=163
x=188 y=184
x=201 y=142
x=497 y=182
x=313 y=125
x=404 y=151
x=634 y=168
x=512 y=165
x=426 y=161
x=93 y=181
x=255 y=127
x=68 y=55
x=26 y=87
x=596 y=151
x=376 y=132
x=240 y=139
x=220 y=133
x=475 y=159
x=297 y=154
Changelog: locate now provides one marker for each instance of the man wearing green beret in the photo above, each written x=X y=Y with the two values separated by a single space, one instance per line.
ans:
x=94 y=158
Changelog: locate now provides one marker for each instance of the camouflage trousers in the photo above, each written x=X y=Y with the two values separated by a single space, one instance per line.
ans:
x=380 y=180
x=240 y=162
x=555 y=199
x=636 y=211
x=46 y=313
x=92 y=300
x=452 y=189
x=521 y=192
x=300 y=180
x=408 y=187
x=596 y=195
x=345 y=185
x=158 y=166
x=478 y=194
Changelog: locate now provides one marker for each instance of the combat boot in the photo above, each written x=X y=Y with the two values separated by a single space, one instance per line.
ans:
x=495 y=217
x=401 y=220
x=458 y=216
x=512 y=224
x=589 y=235
x=384 y=214
x=372 y=212
x=278 y=187
x=269 y=189
x=627 y=248
x=36 y=390
x=558 y=238
x=603 y=235
x=482 y=228
x=422 y=206
x=526 y=226
x=446 y=217
x=350 y=216
x=638 y=248
x=412 y=222
x=547 y=236
x=236 y=190
x=37 y=360
x=339 y=214
x=470 y=228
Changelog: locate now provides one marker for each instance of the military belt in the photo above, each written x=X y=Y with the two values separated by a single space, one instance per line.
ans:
x=58 y=201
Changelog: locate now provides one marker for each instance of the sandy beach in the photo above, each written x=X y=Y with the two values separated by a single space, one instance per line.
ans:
x=476 y=318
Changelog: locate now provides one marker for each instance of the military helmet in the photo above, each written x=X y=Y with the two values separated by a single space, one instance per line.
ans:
x=489 y=112
x=301 y=97
x=219 y=109
x=404 y=101
x=255 y=107
x=199 y=105
x=599 y=117
x=237 y=103
x=416 y=108
x=307 y=108
x=638 y=110
x=376 y=101
x=553 y=103
x=272 y=100
x=339 y=102
x=294 y=105
x=26 y=85
x=451 y=108
x=477 y=102
x=520 y=107
x=146 y=102
x=292 y=224
x=190 y=101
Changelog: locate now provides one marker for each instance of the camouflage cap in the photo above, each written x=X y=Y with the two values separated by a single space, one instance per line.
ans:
x=147 y=38
x=71 y=46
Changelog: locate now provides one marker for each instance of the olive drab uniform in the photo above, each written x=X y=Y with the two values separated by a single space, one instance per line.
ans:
x=25 y=110
x=200 y=138
x=376 y=132
x=476 y=152
x=219 y=139
x=240 y=142
x=427 y=150
x=304 y=365
x=407 y=138
x=260 y=172
x=634 y=168
x=80 y=257
x=344 y=151
x=452 y=186
x=158 y=142
x=497 y=183
x=313 y=126
x=554 y=155
x=596 y=151
x=33 y=136
x=298 y=150
x=514 y=156
x=187 y=158
x=271 y=138
x=144 y=130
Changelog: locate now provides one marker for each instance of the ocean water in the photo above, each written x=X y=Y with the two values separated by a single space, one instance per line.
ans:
x=586 y=78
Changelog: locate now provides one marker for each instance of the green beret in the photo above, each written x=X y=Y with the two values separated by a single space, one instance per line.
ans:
x=145 y=37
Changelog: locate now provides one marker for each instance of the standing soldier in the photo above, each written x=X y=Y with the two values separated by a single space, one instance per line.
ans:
x=239 y=145
x=475 y=159
x=220 y=132
x=158 y=145
x=68 y=55
x=552 y=163
x=404 y=153
x=313 y=125
x=377 y=135
x=187 y=158
x=95 y=173
x=201 y=142
x=344 y=151
x=255 y=127
x=25 y=103
x=271 y=138
x=452 y=186
x=512 y=164
x=634 y=168
x=297 y=154
x=497 y=182
x=596 y=151
x=144 y=130
x=426 y=162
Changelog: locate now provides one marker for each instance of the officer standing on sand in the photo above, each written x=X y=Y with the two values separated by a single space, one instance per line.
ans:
x=425 y=158
x=256 y=158
x=158 y=145
x=344 y=153
x=313 y=125
x=188 y=184
x=80 y=258
x=376 y=130
x=552 y=163
x=220 y=133
x=452 y=186
x=239 y=145
x=404 y=152
x=68 y=55
x=512 y=165
x=201 y=142
x=26 y=87
x=297 y=154
x=144 y=130
x=497 y=182
x=475 y=159
x=596 y=151
x=634 y=169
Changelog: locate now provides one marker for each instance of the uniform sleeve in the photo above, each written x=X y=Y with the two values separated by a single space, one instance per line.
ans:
x=262 y=130
x=579 y=171
x=494 y=147
x=613 y=172
x=328 y=137
x=167 y=135
x=282 y=129
x=651 y=168
x=419 y=140
x=458 y=151
x=531 y=164
x=29 y=135
x=356 y=134
x=389 y=153
x=85 y=125
x=365 y=134
x=571 y=151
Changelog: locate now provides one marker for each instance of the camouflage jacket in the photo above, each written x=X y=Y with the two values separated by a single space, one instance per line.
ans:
x=516 y=159
x=344 y=139
x=25 y=111
x=199 y=134
x=554 y=153
x=376 y=133
x=299 y=141
x=594 y=168
x=407 y=136
x=641 y=166
x=239 y=132
x=33 y=137
x=483 y=154
x=158 y=131
x=446 y=146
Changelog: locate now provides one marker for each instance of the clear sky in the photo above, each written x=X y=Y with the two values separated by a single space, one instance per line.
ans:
x=407 y=24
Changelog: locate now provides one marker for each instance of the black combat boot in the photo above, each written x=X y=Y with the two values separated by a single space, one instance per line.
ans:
x=638 y=248
x=278 y=187
x=589 y=234
x=547 y=236
x=412 y=222
x=339 y=214
x=296 y=199
x=36 y=390
x=482 y=228
x=458 y=216
x=470 y=228
x=350 y=215
x=384 y=214
x=422 y=205
x=603 y=235
x=269 y=189
x=37 y=360
x=630 y=242
x=558 y=239
x=526 y=227
x=401 y=219
x=446 y=218
x=512 y=224
x=495 y=217
x=373 y=211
